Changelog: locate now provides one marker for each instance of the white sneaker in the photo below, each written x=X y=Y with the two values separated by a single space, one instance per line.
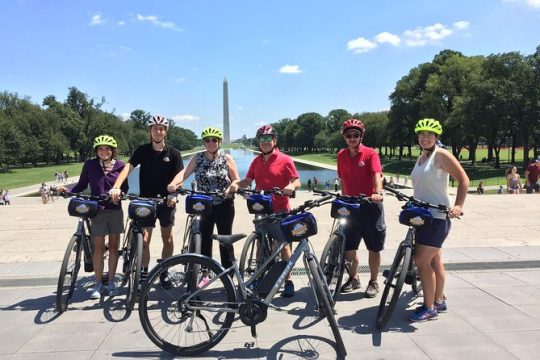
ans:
x=112 y=290
x=96 y=293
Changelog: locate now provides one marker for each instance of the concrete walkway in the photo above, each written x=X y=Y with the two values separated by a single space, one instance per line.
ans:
x=493 y=290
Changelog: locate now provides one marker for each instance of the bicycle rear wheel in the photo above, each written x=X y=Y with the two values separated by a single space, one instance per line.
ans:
x=333 y=264
x=68 y=273
x=324 y=299
x=134 y=269
x=184 y=325
x=395 y=278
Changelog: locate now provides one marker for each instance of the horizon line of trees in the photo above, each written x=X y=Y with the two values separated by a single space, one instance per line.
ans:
x=492 y=101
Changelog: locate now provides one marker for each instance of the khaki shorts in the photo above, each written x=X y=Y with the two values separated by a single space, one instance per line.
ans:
x=107 y=222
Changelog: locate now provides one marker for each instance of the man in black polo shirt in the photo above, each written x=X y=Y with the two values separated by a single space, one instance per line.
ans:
x=159 y=164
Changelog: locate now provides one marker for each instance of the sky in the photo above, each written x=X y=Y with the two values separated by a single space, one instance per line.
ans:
x=281 y=58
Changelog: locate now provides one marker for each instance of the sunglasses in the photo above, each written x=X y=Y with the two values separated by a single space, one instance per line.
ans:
x=353 y=135
x=209 y=140
x=266 y=138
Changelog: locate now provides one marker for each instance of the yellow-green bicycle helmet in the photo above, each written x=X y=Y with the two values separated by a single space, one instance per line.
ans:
x=105 y=140
x=212 y=132
x=428 y=125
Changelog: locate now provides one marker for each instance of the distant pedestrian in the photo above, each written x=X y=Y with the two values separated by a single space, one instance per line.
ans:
x=2 y=201
x=315 y=183
x=336 y=184
x=480 y=188
x=501 y=189
x=391 y=182
x=309 y=184
x=7 y=198
x=531 y=177
x=59 y=176
x=513 y=182
x=327 y=184
x=44 y=192
x=66 y=175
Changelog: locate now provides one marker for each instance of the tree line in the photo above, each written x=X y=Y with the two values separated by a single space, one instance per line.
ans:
x=64 y=131
x=492 y=101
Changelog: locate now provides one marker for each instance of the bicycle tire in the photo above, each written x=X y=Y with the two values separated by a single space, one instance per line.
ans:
x=333 y=264
x=248 y=258
x=65 y=289
x=324 y=299
x=393 y=285
x=134 y=270
x=165 y=315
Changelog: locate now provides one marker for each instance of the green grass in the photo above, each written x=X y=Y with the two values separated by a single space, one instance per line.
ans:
x=481 y=172
x=19 y=177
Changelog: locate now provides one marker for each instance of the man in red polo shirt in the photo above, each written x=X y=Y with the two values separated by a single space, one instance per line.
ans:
x=272 y=169
x=360 y=172
x=531 y=177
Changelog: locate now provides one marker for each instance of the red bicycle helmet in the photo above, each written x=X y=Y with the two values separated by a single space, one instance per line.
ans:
x=266 y=130
x=353 y=124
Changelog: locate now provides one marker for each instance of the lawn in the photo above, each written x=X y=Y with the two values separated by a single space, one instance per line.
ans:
x=19 y=177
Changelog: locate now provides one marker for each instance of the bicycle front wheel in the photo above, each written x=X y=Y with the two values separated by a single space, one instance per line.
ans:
x=187 y=320
x=134 y=269
x=325 y=307
x=394 y=280
x=68 y=273
x=333 y=264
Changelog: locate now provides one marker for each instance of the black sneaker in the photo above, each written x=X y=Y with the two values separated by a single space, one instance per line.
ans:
x=288 y=291
x=350 y=285
x=165 y=280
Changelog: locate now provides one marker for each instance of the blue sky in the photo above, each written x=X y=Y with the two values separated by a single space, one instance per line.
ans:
x=281 y=58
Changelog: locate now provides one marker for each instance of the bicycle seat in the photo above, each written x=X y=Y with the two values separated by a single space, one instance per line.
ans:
x=228 y=239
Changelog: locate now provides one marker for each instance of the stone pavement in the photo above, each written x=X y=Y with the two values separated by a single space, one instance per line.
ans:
x=493 y=290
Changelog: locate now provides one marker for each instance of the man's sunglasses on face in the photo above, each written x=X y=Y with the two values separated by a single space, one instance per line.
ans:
x=266 y=138
x=354 y=135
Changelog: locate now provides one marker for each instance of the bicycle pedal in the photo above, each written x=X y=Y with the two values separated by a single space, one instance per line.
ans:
x=409 y=278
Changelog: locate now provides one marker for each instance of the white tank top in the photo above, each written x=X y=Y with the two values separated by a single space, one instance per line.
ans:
x=431 y=184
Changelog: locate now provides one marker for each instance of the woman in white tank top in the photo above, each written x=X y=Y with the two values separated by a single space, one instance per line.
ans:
x=430 y=183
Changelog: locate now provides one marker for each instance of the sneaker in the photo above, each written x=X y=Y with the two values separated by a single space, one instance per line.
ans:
x=96 y=293
x=288 y=291
x=440 y=306
x=204 y=281
x=372 y=289
x=423 y=314
x=112 y=289
x=165 y=280
x=350 y=285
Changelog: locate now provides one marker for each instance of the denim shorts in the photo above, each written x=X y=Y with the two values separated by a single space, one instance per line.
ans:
x=434 y=234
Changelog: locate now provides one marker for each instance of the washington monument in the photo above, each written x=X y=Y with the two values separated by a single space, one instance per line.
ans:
x=226 y=129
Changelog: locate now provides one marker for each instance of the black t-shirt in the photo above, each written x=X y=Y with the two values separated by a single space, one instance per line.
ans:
x=158 y=168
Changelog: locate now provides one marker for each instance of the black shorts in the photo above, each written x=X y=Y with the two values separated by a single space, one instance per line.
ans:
x=165 y=215
x=368 y=225
x=532 y=187
x=434 y=234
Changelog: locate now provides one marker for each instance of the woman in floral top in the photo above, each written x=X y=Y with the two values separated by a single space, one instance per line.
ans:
x=214 y=171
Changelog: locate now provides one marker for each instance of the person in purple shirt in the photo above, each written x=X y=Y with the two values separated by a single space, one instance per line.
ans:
x=101 y=173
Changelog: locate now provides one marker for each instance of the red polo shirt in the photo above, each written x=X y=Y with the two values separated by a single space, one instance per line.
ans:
x=357 y=173
x=277 y=171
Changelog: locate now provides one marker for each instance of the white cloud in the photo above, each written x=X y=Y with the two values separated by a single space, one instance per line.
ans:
x=361 y=45
x=185 y=118
x=153 y=19
x=180 y=80
x=386 y=37
x=461 y=25
x=531 y=3
x=121 y=23
x=426 y=35
x=240 y=107
x=290 y=69
x=125 y=48
x=96 y=20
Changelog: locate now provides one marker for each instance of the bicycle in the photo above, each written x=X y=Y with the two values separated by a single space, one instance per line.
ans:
x=333 y=260
x=258 y=245
x=196 y=314
x=140 y=210
x=415 y=214
x=84 y=207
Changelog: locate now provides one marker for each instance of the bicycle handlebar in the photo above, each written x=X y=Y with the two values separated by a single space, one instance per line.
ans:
x=275 y=190
x=362 y=199
x=411 y=199
x=67 y=194
x=308 y=204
